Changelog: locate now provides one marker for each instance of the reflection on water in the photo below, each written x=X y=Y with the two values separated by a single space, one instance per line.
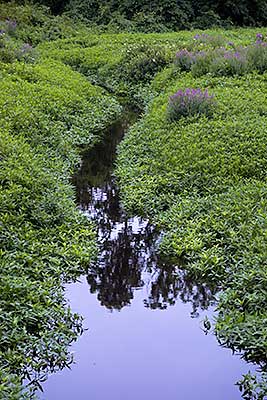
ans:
x=137 y=353
x=128 y=258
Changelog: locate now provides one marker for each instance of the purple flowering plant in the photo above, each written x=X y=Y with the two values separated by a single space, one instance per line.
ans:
x=257 y=56
x=259 y=36
x=221 y=60
x=204 y=37
x=184 y=59
x=261 y=40
x=190 y=102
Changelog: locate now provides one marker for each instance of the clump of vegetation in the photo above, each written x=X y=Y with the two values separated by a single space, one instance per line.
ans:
x=257 y=55
x=221 y=61
x=229 y=63
x=141 y=63
x=30 y=24
x=184 y=60
x=155 y=15
x=190 y=102
x=12 y=49
x=210 y=40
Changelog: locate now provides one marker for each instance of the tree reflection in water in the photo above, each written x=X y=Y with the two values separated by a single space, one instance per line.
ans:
x=127 y=259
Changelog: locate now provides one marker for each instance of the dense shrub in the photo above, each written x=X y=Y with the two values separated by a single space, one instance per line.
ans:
x=172 y=14
x=141 y=63
x=34 y=24
x=145 y=16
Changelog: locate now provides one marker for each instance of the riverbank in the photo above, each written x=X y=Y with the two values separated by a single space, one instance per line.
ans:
x=47 y=111
x=202 y=181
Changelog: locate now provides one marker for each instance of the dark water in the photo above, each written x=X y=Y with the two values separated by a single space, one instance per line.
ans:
x=144 y=317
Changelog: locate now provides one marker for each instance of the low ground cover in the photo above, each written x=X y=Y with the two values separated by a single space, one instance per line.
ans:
x=46 y=111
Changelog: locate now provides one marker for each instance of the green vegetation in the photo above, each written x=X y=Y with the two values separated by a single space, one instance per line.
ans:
x=203 y=182
x=190 y=102
x=158 y=15
x=46 y=111
x=201 y=179
x=238 y=60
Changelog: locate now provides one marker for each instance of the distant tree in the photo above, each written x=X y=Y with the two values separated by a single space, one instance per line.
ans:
x=56 y=6
x=174 y=14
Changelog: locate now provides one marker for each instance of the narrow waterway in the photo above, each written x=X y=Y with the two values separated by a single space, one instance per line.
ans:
x=145 y=337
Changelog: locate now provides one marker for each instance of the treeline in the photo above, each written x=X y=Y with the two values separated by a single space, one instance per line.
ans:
x=158 y=15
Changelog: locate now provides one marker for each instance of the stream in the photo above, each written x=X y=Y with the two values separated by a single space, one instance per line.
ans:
x=145 y=337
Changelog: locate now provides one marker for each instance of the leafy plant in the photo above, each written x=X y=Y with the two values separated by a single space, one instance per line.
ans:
x=210 y=40
x=184 y=60
x=251 y=388
x=190 y=102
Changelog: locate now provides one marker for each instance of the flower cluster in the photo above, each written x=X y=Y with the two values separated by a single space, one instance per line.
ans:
x=203 y=37
x=259 y=38
x=190 y=102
